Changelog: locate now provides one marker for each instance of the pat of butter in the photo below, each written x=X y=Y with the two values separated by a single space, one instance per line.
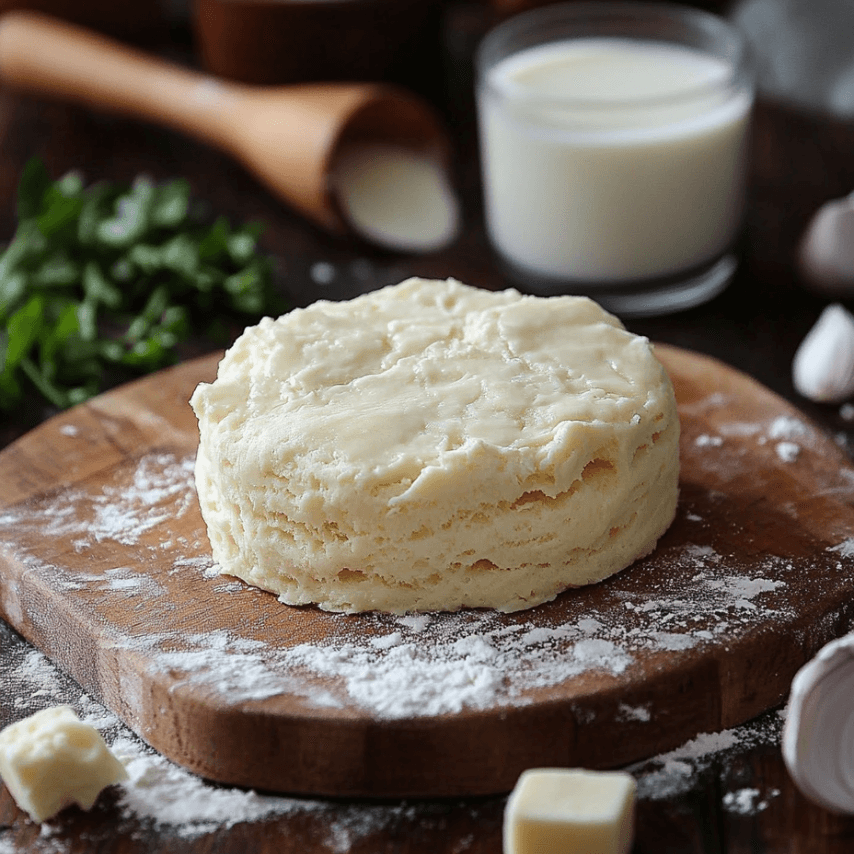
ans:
x=52 y=759
x=570 y=811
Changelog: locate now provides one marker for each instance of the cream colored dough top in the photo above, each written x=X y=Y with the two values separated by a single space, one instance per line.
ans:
x=432 y=446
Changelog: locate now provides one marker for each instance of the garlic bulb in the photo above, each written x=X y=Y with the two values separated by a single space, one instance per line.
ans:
x=818 y=736
x=823 y=367
x=826 y=253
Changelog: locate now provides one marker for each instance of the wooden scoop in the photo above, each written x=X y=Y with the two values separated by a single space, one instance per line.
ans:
x=289 y=137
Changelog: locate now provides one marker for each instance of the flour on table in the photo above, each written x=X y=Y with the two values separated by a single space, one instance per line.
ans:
x=676 y=772
x=748 y=801
x=443 y=663
x=170 y=797
x=120 y=579
x=704 y=440
x=633 y=713
x=845 y=548
x=391 y=667
x=160 y=490
x=709 y=403
x=161 y=792
x=787 y=433
x=788 y=452
x=740 y=429
x=787 y=427
x=411 y=665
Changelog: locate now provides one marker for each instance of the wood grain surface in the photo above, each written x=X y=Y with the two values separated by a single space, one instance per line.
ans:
x=105 y=566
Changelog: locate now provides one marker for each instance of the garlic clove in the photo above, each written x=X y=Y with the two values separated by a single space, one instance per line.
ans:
x=823 y=367
x=826 y=253
x=818 y=735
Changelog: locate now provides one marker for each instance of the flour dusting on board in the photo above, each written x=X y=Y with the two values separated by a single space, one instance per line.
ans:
x=413 y=665
x=169 y=797
x=160 y=792
x=748 y=801
x=159 y=490
x=443 y=663
x=397 y=667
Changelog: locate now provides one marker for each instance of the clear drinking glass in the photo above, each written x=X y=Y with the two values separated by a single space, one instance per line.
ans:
x=613 y=148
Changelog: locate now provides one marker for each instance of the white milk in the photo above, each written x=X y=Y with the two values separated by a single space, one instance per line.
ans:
x=612 y=160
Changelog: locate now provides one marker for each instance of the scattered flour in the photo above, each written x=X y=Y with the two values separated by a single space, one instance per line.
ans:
x=787 y=427
x=845 y=548
x=788 y=452
x=748 y=801
x=787 y=433
x=633 y=713
x=392 y=667
x=740 y=429
x=160 y=489
x=441 y=663
x=163 y=792
x=675 y=773
x=160 y=792
x=186 y=806
x=412 y=665
x=704 y=440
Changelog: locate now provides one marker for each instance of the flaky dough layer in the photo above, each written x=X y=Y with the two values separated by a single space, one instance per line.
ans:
x=432 y=446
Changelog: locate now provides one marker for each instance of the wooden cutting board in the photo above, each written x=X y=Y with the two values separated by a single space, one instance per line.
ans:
x=105 y=566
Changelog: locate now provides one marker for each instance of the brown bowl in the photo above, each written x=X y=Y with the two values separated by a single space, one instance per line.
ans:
x=127 y=20
x=290 y=41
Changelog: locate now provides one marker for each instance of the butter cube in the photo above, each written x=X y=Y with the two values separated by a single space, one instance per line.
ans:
x=52 y=759
x=570 y=811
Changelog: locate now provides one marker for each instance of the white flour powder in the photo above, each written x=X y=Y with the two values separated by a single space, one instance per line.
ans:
x=443 y=663
x=787 y=451
x=414 y=665
x=748 y=801
x=160 y=792
x=674 y=773
x=391 y=667
x=404 y=666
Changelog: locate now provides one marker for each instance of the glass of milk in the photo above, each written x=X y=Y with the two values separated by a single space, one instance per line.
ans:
x=613 y=148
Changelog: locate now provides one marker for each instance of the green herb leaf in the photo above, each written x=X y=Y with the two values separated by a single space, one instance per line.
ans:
x=23 y=329
x=131 y=216
x=103 y=282
x=61 y=204
x=171 y=204
x=98 y=289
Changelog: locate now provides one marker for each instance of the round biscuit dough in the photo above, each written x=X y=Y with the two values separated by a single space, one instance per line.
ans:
x=432 y=446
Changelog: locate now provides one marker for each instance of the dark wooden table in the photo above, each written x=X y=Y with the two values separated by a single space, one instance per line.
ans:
x=735 y=801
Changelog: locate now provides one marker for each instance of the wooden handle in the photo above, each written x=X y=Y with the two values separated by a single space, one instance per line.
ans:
x=45 y=55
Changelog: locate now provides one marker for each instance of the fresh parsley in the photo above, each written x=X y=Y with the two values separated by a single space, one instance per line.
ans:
x=102 y=283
